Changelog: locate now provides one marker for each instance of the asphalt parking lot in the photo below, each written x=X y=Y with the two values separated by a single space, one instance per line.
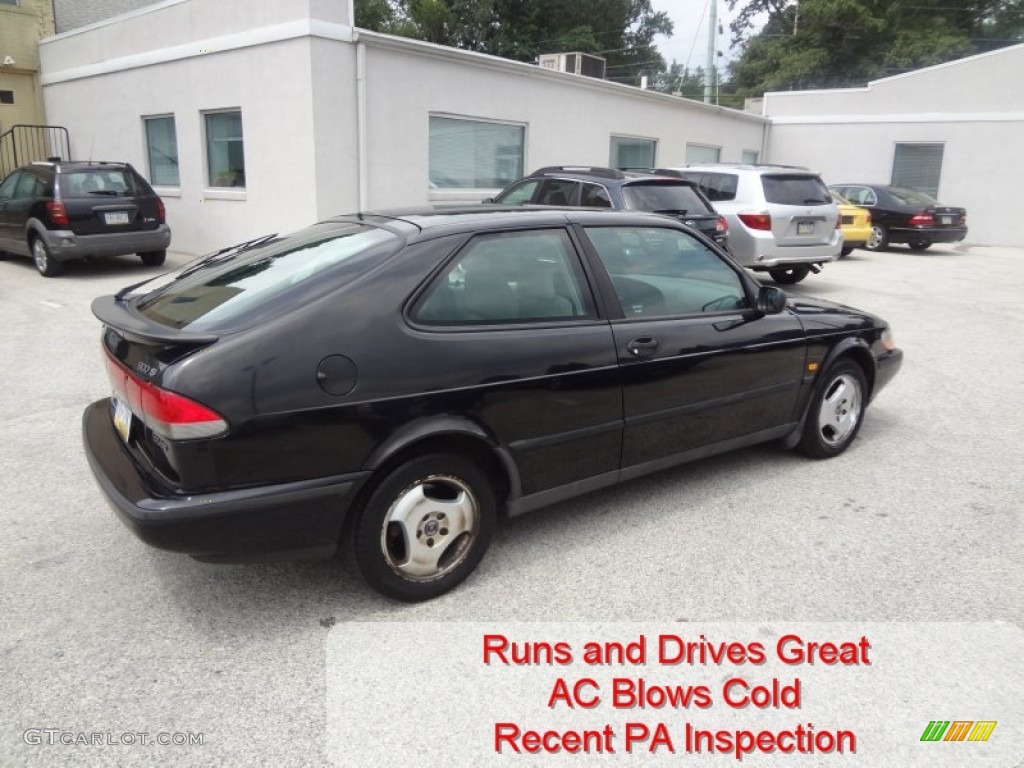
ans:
x=919 y=521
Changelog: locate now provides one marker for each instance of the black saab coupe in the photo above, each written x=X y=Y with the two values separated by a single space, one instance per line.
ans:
x=389 y=383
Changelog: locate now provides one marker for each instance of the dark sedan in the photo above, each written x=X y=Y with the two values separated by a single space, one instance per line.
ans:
x=907 y=216
x=592 y=187
x=394 y=381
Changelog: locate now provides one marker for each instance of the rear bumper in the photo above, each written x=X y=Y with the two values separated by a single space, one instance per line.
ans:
x=65 y=245
x=759 y=251
x=300 y=520
x=928 y=235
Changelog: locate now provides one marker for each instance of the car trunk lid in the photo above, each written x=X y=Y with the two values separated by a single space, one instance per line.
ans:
x=802 y=211
x=108 y=200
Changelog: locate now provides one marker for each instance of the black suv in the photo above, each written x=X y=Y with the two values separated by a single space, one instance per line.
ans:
x=57 y=211
x=592 y=187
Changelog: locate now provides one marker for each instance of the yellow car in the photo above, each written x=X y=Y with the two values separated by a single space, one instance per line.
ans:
x=855 y=223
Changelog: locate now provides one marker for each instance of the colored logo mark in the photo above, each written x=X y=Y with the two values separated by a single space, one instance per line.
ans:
x=958 y=730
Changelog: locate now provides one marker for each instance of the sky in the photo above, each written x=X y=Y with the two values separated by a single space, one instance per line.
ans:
x=689 y=41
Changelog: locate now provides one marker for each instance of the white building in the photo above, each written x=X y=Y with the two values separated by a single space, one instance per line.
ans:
x=269 y=120
x=956 y=130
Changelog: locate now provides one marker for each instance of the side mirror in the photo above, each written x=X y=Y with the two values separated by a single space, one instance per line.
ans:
x=771 y=300
x=487 y=201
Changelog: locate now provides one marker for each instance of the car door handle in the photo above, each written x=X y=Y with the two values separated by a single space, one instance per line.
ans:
x=643 y=346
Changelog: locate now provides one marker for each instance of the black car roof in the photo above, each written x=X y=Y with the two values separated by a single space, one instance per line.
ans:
x=78 y=165
x=434 y=222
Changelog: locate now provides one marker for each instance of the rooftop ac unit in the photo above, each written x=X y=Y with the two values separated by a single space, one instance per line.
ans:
x=575 y=63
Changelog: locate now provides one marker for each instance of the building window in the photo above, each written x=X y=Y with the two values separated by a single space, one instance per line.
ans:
x=918 y=166
x=225 y=156
x=162 y=148
x=750 y=157
x=8 y=2
x=474 y=154
x=628 y=152
x=702 y=153
x=6 y=97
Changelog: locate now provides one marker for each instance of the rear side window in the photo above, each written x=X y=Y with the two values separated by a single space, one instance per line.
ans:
x=664 y=197
x=219 y=292
x=99 y=182
x=795 y=189
x=510 y=277
x=717 y=187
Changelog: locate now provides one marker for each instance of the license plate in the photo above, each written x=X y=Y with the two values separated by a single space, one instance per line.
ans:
x=117 y=217
x=122 y=419
x=946 y=219
x=805 y=228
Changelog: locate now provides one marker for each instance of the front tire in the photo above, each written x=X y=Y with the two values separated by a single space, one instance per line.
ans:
x=879 y=239
x=153 y=258
x=44 y=261
x=789 y=275
x=836 y=411
x=425 y=527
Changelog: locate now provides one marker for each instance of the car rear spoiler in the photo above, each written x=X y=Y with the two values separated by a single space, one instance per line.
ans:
x=118 y=315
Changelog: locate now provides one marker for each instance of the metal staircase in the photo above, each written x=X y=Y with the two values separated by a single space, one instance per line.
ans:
x=24 y=144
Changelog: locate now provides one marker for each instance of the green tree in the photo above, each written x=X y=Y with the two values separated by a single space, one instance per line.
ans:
x=834 y=43
x=621 y=31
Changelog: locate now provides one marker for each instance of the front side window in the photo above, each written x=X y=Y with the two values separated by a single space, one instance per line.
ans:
x=520 y=194
x=627 y=152
x=509 y=277
x=225 y=155
x=665 y=273
x=162 y=150
x=474 y=154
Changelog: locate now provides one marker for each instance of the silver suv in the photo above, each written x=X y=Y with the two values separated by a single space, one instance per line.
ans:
x=782 y=220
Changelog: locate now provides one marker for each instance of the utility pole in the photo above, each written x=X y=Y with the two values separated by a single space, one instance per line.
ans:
x=709 y=67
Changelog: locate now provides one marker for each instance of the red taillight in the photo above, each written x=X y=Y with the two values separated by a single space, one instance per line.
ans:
x=58 y=213
x=922 y=220
x=721 y=226
x=174 y=416
x=161 y=212
x=756 y=220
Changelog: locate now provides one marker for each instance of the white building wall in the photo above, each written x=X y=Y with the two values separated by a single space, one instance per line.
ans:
x=974 y=107
x=569 y=119
x=101 y=81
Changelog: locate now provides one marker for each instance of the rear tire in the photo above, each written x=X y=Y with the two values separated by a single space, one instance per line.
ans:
x=836 y=411
x=919 y=246
x=789 y=275
x=44 y=261
x=153 y=258
x=425 y=527
x=879 y=239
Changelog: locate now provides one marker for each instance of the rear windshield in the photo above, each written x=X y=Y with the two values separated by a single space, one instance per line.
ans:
x=664 y=197
x=99 y=182
x=229 y=286
x=911 y=196
x=795 y=189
